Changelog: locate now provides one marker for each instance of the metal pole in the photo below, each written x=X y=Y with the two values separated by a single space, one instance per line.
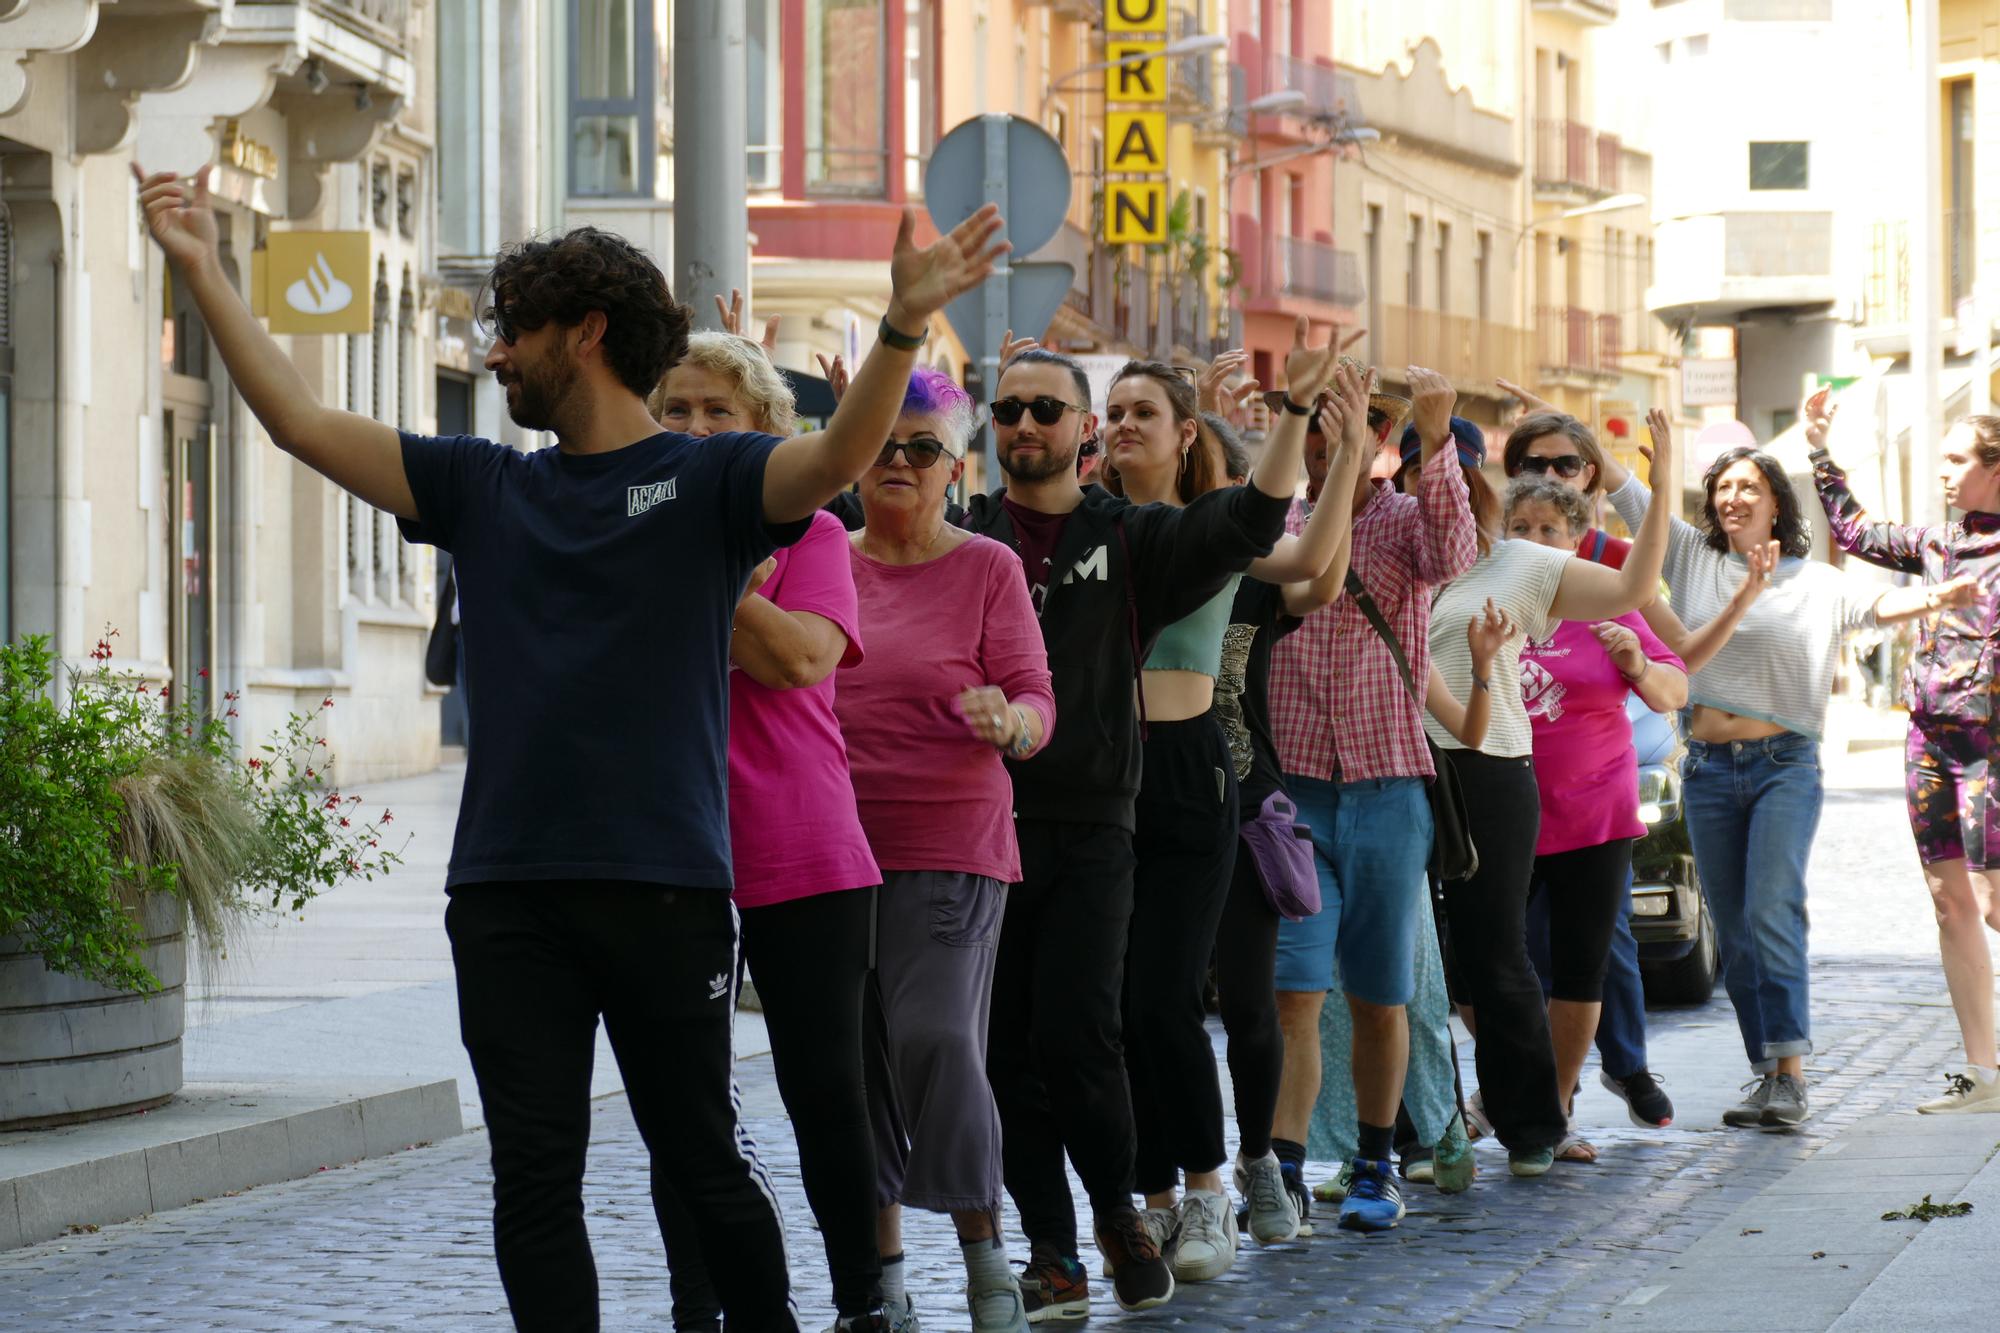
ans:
x=711 y=244
x=1927 y=226
x=995 y=293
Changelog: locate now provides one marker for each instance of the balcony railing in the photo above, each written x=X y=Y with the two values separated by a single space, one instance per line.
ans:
x=390 y=14
x=1328 y=92
x=1570 y=155
x=1462 y=348
x=1571 y=339
x=1885 y=296
x=1311 y=269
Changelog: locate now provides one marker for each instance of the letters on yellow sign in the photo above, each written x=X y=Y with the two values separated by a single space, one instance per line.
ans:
x=1138 y=141
x=315 y=282
x=1135 y=212
x=1142 y=80
x=1136 y=16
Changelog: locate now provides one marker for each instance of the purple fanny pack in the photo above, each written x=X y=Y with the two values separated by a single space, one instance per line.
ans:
x=1282 y=849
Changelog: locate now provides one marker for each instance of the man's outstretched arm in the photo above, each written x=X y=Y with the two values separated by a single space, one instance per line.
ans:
x=806 y=471
x=356 y=453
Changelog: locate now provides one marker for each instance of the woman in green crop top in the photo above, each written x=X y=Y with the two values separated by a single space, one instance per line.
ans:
x=1157 y=450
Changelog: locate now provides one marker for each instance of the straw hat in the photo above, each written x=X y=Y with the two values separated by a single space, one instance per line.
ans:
x=1392 y=405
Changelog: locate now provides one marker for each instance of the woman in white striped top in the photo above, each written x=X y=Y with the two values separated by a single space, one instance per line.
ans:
x=1752 y=773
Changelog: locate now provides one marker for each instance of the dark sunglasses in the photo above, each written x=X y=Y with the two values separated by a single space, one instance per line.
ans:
x=1563 y=465
x=1047 y=409
x=921 y=452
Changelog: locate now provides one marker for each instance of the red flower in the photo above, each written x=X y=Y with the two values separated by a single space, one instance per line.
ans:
x=142 y=687
x=344 y=821
x=165 y=690
x=322 y=740
x=326 y=702
x=310 y=773
x=256 y=763
x=203 y=673
x=388 y=818
x=333 y=802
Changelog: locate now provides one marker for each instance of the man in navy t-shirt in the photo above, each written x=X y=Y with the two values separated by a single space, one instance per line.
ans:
x=590 y=876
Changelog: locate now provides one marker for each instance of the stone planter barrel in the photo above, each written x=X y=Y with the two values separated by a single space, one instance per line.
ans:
x=73 y=1050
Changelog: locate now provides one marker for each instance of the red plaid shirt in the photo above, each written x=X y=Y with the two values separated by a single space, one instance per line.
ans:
x=1338 y=706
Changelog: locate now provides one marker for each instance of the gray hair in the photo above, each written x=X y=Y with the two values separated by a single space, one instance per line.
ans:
x=1565 y=500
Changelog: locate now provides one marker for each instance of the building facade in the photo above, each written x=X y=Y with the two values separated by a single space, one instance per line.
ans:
x=141 y=496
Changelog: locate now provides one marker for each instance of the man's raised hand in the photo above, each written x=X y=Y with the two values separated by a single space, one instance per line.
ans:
x=924 y=281
x=179 y=216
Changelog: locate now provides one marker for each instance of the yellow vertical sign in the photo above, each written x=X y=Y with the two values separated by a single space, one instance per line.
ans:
x=1135 y=136
x=1136 y=16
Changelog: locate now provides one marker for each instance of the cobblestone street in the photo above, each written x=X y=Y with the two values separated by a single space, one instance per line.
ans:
x=404 y=1242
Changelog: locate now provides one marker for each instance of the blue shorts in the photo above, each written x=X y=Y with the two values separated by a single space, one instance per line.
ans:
x=1372 y=845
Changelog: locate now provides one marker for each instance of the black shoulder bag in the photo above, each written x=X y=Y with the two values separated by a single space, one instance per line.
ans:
x=1453 y=857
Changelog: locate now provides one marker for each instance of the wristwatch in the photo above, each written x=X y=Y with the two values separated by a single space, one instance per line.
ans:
x=902 y=342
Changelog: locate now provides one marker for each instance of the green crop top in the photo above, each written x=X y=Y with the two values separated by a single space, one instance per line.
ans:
x=1194 y=642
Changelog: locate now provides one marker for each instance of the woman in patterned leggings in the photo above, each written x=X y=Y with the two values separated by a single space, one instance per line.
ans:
x=1953 y=735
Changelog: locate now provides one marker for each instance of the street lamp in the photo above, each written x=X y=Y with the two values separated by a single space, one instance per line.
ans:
x=1193 y=44
x=1611 y=204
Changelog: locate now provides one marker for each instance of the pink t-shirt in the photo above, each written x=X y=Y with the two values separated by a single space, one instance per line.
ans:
x=934 y=796
x=1584 y=762
x=793 y=829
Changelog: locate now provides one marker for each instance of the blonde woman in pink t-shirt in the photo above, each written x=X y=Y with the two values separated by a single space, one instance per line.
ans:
x=958 y=681
x=1575 y=683
x=805 y=881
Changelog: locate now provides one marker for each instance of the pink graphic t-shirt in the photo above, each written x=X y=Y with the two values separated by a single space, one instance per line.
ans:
x=793 y=828
x=1584 y=762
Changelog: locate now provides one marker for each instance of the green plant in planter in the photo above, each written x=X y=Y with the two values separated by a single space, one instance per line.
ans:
x=113 y=791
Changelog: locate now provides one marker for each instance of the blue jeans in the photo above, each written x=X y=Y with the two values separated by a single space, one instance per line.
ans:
x=1372 y=841
x=1621 y=1028
x=1752 y=809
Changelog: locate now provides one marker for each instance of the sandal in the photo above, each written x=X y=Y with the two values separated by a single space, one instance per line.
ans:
x=1575 y=1148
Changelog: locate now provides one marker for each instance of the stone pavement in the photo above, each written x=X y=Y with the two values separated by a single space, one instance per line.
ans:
x=404 y=1241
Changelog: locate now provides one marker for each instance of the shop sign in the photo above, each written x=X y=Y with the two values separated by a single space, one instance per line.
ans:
x=315 y=282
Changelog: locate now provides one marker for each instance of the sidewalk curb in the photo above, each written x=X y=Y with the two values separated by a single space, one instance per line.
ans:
x=211 y=1140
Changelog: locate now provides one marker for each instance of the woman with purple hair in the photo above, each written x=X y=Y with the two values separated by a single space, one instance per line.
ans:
x=957 y=681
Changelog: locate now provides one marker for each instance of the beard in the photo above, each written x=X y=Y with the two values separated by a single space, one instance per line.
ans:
x=1053 y=462
x=539 y=392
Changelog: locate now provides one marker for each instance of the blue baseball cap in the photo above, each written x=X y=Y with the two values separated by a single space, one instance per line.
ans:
x=1471 y=443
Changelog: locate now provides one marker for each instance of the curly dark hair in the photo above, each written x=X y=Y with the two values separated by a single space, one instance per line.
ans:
x=560 y=279
x=1789 y=529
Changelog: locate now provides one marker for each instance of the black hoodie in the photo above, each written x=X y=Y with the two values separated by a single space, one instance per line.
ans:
x=1101 y=617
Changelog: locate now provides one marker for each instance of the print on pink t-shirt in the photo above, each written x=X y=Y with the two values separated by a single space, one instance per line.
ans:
x=1584 y=762
x=793 y=828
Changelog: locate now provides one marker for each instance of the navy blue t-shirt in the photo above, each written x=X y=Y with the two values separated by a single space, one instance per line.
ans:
x=596 y=592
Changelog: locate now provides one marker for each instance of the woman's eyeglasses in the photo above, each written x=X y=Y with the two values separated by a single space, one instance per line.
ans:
x=1563 y=465
x=1046 y=409
x=921 y=452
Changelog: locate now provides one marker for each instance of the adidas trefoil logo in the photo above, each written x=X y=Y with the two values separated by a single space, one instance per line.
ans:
x=718 y=985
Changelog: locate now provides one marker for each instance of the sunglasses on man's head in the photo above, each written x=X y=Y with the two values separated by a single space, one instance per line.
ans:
x=921 y=452
x=1046 y=409
x=1563 y=465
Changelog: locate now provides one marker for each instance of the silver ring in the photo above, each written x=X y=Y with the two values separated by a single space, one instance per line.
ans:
x=997 y=720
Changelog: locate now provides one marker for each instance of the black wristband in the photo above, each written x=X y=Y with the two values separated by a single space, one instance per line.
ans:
x=902 y=342
x=1295 y=409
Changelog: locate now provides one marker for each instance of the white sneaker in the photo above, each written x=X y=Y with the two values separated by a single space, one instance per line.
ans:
x=1964 y=1093
x=1207 y=1245
x=1274 y=1216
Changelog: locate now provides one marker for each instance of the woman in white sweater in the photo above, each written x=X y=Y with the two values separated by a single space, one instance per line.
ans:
x=1753 y=782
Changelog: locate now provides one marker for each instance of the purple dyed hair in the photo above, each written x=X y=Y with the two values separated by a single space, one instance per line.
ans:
x=933 y=393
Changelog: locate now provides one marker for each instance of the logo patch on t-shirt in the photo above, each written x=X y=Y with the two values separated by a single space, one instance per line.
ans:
x=638 y=499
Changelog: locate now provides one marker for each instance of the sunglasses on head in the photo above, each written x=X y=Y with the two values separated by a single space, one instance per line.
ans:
x=1046 y=409
x=1563 y=465
x=921 y=452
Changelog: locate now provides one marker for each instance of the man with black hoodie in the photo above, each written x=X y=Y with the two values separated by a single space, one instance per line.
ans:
x=1107 y=576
